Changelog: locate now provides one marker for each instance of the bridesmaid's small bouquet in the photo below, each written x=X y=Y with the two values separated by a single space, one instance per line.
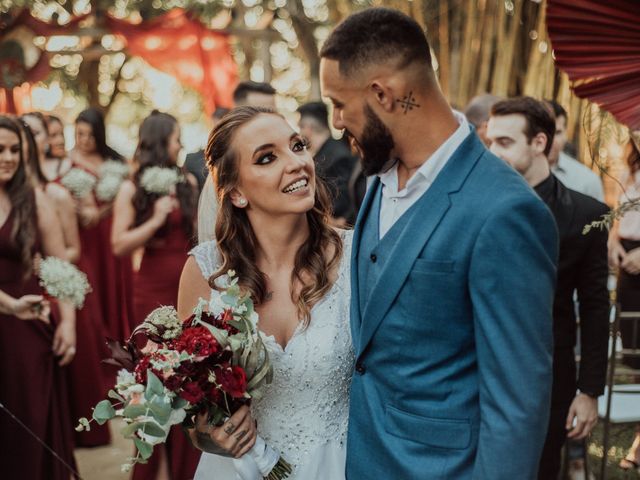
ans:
x=172 y=370
x=63 y=280
x=112 y=174
x=78 y=182
x=160 y=180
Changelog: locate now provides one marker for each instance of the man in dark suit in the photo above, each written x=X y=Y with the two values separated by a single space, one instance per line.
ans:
x=334 y=162
x=521 y=133
x=194 y=162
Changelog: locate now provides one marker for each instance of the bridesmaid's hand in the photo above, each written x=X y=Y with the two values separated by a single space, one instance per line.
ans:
x=32 y=307
x=64 y=342
x=162 y=208
x=233 y=438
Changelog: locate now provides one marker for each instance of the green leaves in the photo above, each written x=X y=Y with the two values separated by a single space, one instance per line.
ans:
x=104 y=411
x=143 y=447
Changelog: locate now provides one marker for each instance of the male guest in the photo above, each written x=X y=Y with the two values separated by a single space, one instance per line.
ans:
x=255 y=94
x=521 y=132
x=568 y=170
x=194 y=163
x=477 y=113
x=334 y=162
x=453 y=344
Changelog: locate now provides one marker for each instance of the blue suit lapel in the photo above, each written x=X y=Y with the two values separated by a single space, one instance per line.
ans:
x=426 y=215
x=355 y=248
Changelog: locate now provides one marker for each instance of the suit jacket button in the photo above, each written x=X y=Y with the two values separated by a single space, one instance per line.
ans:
x=373 y=258
x=360 y=369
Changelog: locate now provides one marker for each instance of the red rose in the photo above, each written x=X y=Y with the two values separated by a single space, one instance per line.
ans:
x=196 y=341
x=173 y=383
x=192 y=392
x=233 y=380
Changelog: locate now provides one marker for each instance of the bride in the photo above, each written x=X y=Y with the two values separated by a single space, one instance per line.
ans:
x=272 y=229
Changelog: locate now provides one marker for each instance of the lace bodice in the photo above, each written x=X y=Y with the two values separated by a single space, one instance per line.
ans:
x=307 y=404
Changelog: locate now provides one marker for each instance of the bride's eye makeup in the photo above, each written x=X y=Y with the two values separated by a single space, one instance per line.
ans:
x=299 y=144
x=265 y=158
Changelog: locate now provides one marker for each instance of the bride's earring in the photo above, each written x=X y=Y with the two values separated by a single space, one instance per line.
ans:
x=243 y=202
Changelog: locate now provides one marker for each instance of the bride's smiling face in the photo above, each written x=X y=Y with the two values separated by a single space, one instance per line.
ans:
x=276 y=173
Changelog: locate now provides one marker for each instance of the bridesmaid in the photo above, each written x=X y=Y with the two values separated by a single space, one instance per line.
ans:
x=113 y=275
x=34 y=344
x=163 y=225
x=37 y=143
x=57 y=162
x=85 y=391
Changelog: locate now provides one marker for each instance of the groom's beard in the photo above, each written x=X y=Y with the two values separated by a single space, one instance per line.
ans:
x=376 y=144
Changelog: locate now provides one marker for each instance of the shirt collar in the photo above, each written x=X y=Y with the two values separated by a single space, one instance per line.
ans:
x=432 y=166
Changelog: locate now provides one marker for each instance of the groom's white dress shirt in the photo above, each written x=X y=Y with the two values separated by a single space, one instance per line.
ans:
x=394 y=202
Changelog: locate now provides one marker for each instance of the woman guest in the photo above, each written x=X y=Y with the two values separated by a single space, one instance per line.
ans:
x=624 y=254
x=159 y=217
x=33 y=343
x=113 y=275
x=37 y=142
x=85 y=391
x=57 y=162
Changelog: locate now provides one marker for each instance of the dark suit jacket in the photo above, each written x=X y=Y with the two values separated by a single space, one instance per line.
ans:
x=582 y=267
x=334 y=164
x=194 y=163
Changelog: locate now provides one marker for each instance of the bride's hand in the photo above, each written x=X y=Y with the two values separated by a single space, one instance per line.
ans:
x=233 y=438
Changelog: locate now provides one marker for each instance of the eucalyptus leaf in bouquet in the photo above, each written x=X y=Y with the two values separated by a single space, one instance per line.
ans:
x=160 y=180
x=78 y=182
x=63 y=280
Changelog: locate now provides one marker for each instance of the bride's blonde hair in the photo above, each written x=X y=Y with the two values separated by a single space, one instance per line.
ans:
x=237 y=243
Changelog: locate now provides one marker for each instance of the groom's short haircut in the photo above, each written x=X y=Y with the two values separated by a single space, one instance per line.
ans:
x=374 y=36
x=538 y=116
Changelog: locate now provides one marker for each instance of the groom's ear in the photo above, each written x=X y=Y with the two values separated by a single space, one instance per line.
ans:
x=383 y=95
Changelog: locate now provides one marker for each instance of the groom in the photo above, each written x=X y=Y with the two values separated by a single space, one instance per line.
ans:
x=454 y=265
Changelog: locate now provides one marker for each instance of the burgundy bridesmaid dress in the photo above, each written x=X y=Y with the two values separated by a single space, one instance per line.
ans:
x=88 y=383
x=113 y=276
x=32 y=386
x=155 y=285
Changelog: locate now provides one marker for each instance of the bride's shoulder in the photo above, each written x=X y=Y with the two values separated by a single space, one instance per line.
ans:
x=346 y=235
x=207 y=257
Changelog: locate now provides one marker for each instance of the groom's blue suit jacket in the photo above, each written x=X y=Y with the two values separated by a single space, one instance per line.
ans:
x=451 y=319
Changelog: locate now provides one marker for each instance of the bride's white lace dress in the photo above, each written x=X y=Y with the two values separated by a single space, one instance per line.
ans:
x=304 y=412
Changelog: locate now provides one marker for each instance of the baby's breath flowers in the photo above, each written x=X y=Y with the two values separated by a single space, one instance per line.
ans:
x=63 y=280
x=78 y=182
x=160 y=180
x=112 y=173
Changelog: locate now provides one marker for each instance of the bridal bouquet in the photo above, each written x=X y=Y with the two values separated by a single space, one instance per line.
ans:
x=63 y=280
x=78 y=182
x=112 y=174
x=160 y=180
x=213 y=362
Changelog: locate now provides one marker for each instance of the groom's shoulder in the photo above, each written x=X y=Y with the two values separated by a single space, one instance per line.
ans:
x=496 y=183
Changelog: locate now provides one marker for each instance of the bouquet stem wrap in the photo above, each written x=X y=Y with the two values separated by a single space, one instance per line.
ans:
x=261 y=462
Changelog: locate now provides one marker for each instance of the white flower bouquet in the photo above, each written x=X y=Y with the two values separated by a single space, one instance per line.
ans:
x=63 y=280
x=160 y=180
x=112 y=174
x=78 y=182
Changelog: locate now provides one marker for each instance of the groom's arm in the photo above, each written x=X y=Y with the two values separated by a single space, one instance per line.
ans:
x=512 y=281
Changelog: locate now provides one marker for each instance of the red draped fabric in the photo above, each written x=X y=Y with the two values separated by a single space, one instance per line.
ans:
x=597 y=43
x=181 y=46
x=175 y=43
